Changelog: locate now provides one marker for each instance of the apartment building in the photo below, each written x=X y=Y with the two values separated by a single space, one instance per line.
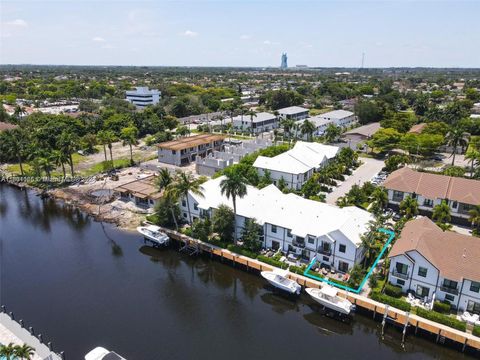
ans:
x=294 y=113
x=432 y=263
x=431 y=189
x=143 y=96
x=291 y=223
x=256 y=124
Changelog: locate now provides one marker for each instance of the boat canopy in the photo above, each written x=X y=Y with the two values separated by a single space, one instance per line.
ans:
x=153 y=228
x=280 y=272
x=329 y=291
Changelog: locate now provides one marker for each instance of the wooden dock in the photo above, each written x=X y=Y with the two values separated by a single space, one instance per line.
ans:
x=400 y=318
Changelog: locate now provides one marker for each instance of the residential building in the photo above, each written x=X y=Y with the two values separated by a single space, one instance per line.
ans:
x=7 y=126
x=341 y=118
x=142 y=192
x=431 y=189
x=294 y=113
x=361 y=133
x=307 y=228
x=256 y=124
x=185 y=150
x=143 y=96
x=433 y=263
x=297 y=165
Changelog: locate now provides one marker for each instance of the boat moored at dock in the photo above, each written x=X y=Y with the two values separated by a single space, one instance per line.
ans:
x=154 y=235
x=100 y=353
x=278 y=278
x=328 y=297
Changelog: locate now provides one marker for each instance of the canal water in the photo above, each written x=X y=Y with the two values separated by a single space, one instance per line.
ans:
x=84 y=284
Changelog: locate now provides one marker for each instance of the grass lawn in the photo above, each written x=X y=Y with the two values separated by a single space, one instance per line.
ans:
x=106 y=165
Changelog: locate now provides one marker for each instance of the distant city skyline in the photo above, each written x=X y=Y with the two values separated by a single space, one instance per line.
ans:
x=398 y=33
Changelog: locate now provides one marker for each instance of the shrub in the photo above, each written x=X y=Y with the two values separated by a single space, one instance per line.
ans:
x=442 y=319
x=396 y=303
x=297 y=269
x=393 y=290
x=239 y=250
x=441 y=307
x=272 y=262
x=339 y=282
x=476 y=331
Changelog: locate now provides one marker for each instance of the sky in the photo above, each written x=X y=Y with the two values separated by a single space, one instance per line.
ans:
x=241 y=33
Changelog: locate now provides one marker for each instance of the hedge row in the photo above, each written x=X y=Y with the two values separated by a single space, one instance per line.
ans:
x=272 y=262
x=442 y=319
x=476 y=331
x=396 y=303
x=241 y=251
x=297 y=270
x=392 y=290
x=441 y=307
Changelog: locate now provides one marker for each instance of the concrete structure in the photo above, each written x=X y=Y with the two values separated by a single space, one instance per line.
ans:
x=260 y=122
x=431 y=189
x=142 y=96
x=342 y=118
x=361 y=133
x=429 y=261
x=294 y=113
x=297 y=165
x=142 y=192
x=185 y=150
x=232 y=154
x=284 y=63
x=291 y=223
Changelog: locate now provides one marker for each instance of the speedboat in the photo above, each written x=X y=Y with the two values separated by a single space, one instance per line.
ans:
x=100 y=353
x=327 y=296
x=153 y=234
x=278 y=278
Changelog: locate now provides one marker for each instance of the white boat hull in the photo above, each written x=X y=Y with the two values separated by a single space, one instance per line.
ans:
x=338 y=304
x=154 y=235
x=281 y=282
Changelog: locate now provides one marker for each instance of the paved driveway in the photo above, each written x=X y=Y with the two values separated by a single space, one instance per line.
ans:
x=364 y=173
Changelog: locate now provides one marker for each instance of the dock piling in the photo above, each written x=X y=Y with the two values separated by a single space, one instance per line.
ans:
x=384 y=320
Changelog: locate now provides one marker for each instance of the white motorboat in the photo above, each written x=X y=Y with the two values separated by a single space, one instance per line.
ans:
x=279 y=279
x=327 y=296
x=100 y=353
x=153 y=234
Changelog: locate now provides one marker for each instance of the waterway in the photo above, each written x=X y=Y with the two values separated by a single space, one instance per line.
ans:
x=83 y=284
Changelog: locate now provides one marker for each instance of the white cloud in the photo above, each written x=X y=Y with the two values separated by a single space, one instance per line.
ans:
x=98 y=39
x=190 y=33
x=268 y=42
x=245 y=37
x=17 y=23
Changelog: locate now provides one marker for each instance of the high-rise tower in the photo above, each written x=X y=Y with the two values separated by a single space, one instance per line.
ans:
x=284 y=64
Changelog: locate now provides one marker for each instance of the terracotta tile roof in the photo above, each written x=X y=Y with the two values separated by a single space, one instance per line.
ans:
x=141 y=188
x=434 y=186
x=7 y=126
x=455 y=255
x=190 y=141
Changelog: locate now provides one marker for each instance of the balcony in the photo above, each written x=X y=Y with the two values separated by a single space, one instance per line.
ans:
x=400 y=275
x=326 y=252
x=298 y=244
x=449 y=290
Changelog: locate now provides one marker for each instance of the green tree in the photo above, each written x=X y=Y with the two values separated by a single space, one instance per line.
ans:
x=385 y=140
x=13 y=144
x=475 y=218
x=456 y=137
x=441 y=215
x=368 y=111
x=379 y=200
x=394 y=161
x=24 y=351
x=251 y=233
x=308 y=128
x=129 y=136
x=409 y=207
x=223 y=221
x=68 y=144
x=7 y=351
x=186 y=183
x=332 y=132
x=201 y=229
x=234 y=186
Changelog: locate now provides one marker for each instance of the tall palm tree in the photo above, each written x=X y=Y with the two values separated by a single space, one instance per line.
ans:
x=102 y=139
x=234 y=186
x=288 y=125
x=252 y=114
x=129 y=136
x=47 y=165
x=68 y=144
x=308 y=128
x=409 y=207
x=164 y=179
x=24 y=351
x=7 y=351
x=472 y=154
x=186 y=183
x=15 y=146
x=457 y=137
x=59 y=159
x=441 y=213
x=475 y=217
x=380 y=199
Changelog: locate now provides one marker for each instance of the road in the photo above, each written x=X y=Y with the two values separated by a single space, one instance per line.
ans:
x=364 y=173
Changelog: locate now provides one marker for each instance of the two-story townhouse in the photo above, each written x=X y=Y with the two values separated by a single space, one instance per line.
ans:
x=438 y=264
x=296 y=165
x=294 y=113
x=307 y=228
x=256 y=124
x=431 y=189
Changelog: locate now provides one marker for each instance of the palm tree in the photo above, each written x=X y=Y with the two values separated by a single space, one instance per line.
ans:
x=308 y=128
x=7 y=351
x=380 y=199
x=129 y=136
x=233 y=186
x=47 y=165
x=441 y=214
x=456 y=137
x=475 y=217
x=15 y=145
x=288 y=125
x=252 y=114
x=19 y=111
x=473 y=155
x=186 y=183
x=24 y=351
x=332 y=132
x=102 y=139
x=60 y=159
x=68 y=143
x=409 y=207
x=164 y=179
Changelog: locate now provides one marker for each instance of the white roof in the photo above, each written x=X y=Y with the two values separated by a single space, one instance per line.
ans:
x=260 y=117
x=336 y=114
x=303 y=157
x=142 y=90
x=291 y=110
x=304 y=217
x=317 y=121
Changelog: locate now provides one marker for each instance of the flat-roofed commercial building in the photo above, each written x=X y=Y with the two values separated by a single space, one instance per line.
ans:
x=143 y=96
x=185 y=150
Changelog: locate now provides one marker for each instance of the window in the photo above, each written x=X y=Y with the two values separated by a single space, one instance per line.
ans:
x=450 y=284
x=397 y=195
x=311 y=240
x=422 y=271
x=289 y=233
x=473 y=307
x=475 y=286
x=174 y=152
x=401 y=268
x=342 y=248
x=400 y=282
x=195 y=206
x=454 y=205
x=184 y=203
x=185 y=215
x=326 y=258
x=428 y=202
x=422 y=291
x=450 y=298
x=274 y=229
x=342 y=266
x=275 y=245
